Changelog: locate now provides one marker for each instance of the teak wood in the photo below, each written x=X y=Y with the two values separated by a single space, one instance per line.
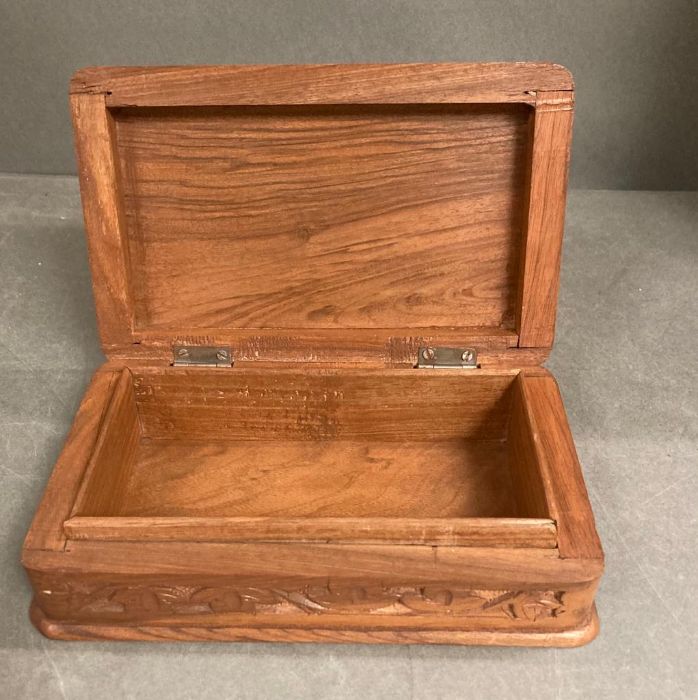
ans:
x=323 y=223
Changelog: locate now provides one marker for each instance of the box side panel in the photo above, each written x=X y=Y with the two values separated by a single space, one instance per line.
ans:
x=100 y=192
x=313 y=404
x=46 y=531
x=550 y=142
x=563 y=481
x=106 y=475
x=523 y=459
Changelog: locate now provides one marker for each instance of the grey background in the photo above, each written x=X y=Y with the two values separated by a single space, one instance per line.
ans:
x=635 y=63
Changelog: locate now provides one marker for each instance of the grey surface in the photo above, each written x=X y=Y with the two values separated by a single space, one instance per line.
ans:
x=625 y=357
x=635 y=63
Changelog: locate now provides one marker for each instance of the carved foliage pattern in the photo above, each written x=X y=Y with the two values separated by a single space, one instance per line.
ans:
x=154 y=600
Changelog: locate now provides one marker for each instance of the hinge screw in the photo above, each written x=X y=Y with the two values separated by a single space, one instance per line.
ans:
x=221 y=355
x=467 y=356
x=183 y=352
x=428 y=353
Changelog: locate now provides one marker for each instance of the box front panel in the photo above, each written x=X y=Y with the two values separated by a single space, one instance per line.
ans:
x=325 y=588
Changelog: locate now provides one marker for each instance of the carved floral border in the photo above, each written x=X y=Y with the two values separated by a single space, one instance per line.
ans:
x=155 y=600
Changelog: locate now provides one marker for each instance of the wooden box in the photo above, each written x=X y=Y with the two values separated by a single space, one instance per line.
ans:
x=325 y=294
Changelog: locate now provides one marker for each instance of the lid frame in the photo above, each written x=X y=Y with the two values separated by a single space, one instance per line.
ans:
x=547 y=88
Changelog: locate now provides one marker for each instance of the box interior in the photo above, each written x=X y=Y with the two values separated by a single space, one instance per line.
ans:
x=314 y=443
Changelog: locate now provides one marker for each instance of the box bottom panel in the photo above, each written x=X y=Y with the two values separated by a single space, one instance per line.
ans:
x=577 y=636
x=332 y=478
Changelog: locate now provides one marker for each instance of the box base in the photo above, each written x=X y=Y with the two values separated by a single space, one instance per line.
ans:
x=575 y=637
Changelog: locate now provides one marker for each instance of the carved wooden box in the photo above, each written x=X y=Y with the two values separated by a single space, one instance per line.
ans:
x=325 y=294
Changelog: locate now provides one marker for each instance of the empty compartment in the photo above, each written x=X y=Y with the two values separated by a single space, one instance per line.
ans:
x=351 y=455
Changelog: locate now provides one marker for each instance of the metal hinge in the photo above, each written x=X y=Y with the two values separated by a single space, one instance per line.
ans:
x=444 y=358
x=201 y=356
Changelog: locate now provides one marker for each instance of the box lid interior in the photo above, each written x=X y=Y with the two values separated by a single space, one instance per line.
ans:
x=324 y=212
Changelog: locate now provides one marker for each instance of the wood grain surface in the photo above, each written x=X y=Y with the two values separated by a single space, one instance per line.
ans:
x=46 y=531
x=551 y=138
x=311 y=444
x=101 y=197
x=411 y=83
x=322 y=404
x=284 y=563
x=323 y=217
x=461 y=531
x=309 y=586
x=114 y=453
x=556 y=457
x=521 y=444
x=338 y=478
x=329 y=443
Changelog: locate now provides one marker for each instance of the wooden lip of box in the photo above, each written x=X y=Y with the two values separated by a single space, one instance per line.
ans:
x=277 y=252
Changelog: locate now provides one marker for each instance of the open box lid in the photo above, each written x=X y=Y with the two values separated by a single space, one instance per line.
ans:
x=326 y=213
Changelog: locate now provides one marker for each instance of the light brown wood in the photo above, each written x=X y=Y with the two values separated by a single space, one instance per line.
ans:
x=324 y=222
x=323 y=217
x=545 y=216
x=106 y=475
x=100 y=192
x=482 y=531
x=322 y=404
x=521 y=444
x=415 y=83
x=325 y=478
x=341 y=586
x=46 y=532
x=475 y=567
x=559 y=467
x=252 y=484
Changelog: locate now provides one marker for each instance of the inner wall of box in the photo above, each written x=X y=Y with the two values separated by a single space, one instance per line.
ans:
x=323 y=216
x=313 y=443
x=318 y=218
